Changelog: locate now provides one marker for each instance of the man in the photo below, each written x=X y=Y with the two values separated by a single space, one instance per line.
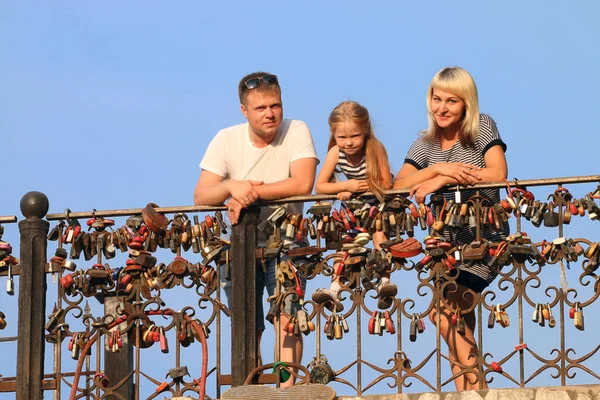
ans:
x=265 y=158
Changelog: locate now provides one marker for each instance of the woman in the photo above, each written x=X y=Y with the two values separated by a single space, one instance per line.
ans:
x=460 y=146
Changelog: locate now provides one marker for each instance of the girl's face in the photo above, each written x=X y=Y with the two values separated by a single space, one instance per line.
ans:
x=447 y=108
x=349 y=137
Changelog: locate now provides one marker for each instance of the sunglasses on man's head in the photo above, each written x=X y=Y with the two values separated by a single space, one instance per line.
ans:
x=253 y=83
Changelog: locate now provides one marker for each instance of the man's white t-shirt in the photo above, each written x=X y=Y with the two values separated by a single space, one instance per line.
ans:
x=232 y=155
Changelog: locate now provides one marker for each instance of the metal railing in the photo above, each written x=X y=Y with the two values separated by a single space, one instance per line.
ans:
x=139 y=300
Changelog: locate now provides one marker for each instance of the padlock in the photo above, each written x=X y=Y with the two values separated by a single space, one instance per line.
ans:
x=344 y=323
x=420 y=323
x=338 y=332
x=10 y=283
x=2 y=321
x=492 y=319
x=413 y=329
x=389 y=323
x=330 y=327
x=534 y=316
x=461 y=326
x=579 y=317
x=377 y=329
x=164 y=345
x=551 y=319
x=321 y=372
x=372 y=320
x=302 y=320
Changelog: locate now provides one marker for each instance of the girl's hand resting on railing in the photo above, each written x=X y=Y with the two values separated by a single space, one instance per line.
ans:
x=355 y=185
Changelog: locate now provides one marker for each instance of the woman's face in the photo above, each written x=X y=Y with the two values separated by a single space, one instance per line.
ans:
x=447 y=108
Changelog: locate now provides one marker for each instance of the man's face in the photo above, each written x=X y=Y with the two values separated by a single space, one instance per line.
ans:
x=264 y=112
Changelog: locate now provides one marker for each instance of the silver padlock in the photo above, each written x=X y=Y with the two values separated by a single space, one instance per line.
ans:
x=10 y=283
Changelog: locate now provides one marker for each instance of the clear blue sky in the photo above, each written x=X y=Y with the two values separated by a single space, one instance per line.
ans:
x=111 y=106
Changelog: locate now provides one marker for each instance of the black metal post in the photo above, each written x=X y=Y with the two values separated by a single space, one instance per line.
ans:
x=244 y=356
x=32 y=296
x=117 y=365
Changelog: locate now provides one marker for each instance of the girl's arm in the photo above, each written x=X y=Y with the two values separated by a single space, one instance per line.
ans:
x=324 y=186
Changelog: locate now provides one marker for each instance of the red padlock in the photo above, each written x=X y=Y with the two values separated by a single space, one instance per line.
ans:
x=521 y=346
x=372 y=323
x=350 y=215
x=126 y=279
x=67 y=281
x=572 y=312
x=142 y=230
x=389 y=323
x=496 y=367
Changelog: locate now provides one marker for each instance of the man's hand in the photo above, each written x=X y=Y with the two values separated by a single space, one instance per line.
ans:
x=421 y=190
x=464 y=174
x=355 y=185
x=243 y=191
x=343 y=196
x=234 y=208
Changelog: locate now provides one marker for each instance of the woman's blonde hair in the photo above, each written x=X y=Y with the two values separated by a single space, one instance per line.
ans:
x=375 y=153
x=460 y=83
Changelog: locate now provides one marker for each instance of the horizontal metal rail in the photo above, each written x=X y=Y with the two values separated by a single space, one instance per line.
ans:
x=319 y=197
x=8 y=219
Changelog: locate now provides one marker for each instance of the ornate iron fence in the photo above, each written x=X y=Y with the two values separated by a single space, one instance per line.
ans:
x=141 y=315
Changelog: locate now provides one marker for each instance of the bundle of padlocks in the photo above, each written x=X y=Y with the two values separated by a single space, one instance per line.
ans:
x=7 y=261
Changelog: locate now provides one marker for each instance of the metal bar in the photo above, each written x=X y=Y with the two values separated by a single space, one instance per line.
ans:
x=244 y=357
x=319 y=197
x=132 y=211
x=452 y=188
x=8 y=219
x=9 y=339
x=32 y=296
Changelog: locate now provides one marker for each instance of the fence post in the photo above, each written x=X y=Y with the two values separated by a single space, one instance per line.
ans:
x=244 y=356
x=32 y=296
x=117 y=365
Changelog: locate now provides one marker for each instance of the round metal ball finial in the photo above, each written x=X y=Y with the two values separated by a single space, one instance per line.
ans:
x=34 y=205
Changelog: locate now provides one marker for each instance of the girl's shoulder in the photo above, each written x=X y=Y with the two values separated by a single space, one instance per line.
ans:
x=333 y=153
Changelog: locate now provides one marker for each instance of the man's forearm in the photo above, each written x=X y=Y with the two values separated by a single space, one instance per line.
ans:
x=286 y=188
x=212 y=195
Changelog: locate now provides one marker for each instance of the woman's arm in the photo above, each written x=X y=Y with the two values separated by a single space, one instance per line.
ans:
x=496 y=170
x=409 y=175
x=386 y=175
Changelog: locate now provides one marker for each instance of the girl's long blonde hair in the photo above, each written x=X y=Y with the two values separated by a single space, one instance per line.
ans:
x=375 y=153
x=459 y=82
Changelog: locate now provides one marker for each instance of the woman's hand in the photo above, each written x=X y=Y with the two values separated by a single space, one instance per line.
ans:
x=464 y=174
x=343 y=196
x=355 y=185
x=421 y=190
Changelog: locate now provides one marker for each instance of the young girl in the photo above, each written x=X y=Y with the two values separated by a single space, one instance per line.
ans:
x=354 y=151
x=461 y=146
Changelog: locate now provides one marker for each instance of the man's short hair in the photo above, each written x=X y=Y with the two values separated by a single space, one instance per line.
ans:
x=262 y=87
